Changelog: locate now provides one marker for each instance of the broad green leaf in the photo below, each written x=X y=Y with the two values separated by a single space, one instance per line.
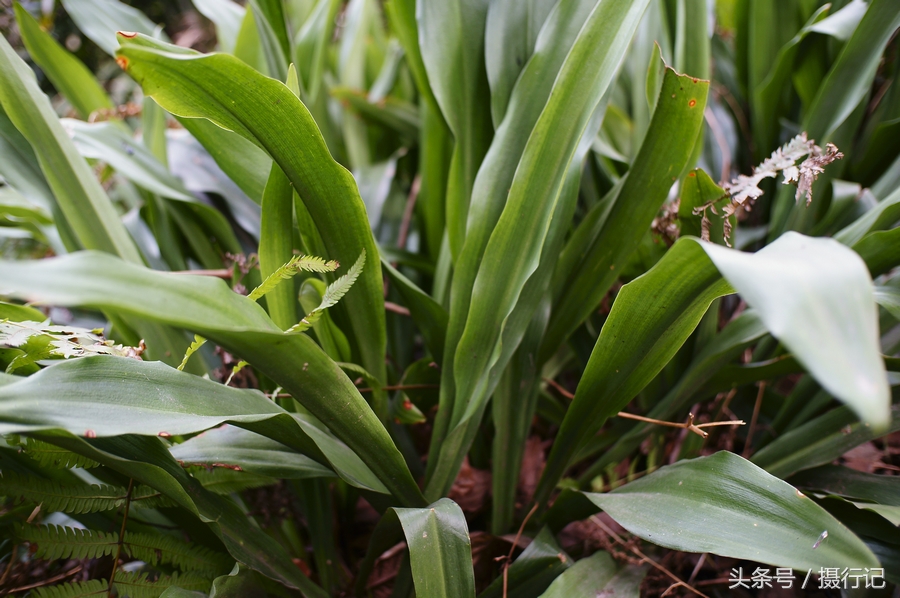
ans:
x=653 y=316
x=661 y=159
x=208 y=307
x=511 y=32
x=818 y=442
x=110 y=397
x=99 y=20
x=68 y=74
x=272 y=36
x=227 y=16
x=114 y=146
x=235 y=447
x=359 y=17
x=850 y=483
x=850 y=78
x=439 y=548
x=843 y=23
x=725 y=505
x=598 y=575
x=82 y=200
x=266 y=112
x=533 y=571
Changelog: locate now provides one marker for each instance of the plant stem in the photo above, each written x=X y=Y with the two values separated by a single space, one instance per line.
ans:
x=112 y=575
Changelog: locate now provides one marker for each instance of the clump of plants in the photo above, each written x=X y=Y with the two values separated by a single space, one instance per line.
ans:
x=444 y=298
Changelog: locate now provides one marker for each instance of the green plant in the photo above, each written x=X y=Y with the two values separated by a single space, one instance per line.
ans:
x=525 y=214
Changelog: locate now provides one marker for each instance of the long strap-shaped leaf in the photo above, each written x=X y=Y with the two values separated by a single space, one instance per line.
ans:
x=110 y=397
x=513 y=252
x=814 y=295
x=439 y=548
x=208 y=307
x=725 y=505
x=667 y=147
x=82 y=200
x=231 y=94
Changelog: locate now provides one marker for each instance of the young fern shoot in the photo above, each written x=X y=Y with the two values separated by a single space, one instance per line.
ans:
x=297 y=264
x=332 y=295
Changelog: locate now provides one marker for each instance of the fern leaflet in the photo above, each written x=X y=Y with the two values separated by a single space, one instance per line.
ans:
x=157 y=548
x=333 y=294
x=199 y=341
x=78 y=589
x=50 y=455
x=296 y=264
x=76 y=498
x=138 y=585
x=53 y=542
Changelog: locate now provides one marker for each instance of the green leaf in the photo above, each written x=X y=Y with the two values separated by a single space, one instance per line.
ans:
x=725 y=505
x=333 y=293
x=653 y=316
x=210 y=308
x=512 y=254
x=661 y=159
x=310 y=49
x=155 y=400
x=68 y=74
x=851 y=484
x=451 y=41
x=850 y=78
x=276 y=240
x=82 y=200
x=533 y=571
x=77 y=589
x=889 y=298
x=111 y=144
x=597 y=575
x=234 y=96
x=818 y=442
x=427 y=313
x=227 y=17
x=235 y=447
x=99 y=20
x=439 y=548
x=512 y=30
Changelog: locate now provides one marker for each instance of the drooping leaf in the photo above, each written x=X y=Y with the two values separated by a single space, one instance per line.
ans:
x=781 y=282
x=234 y=96
x=209 y=307
x=725 y=505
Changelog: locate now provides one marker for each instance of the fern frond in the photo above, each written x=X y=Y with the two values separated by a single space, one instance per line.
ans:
x=77 y=589
x=225 y=481
x=75 y=498
x=50 y=455
x=199 y=341
x=146 y=497
x=298 y=263
x=52 y=542
x=138 y=585
x=333 y=293
x=240 y=365
x=157 y=548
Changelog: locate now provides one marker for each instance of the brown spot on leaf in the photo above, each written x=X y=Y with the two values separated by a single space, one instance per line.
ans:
x=122 y=62
x=692 y=103
x=692 y=174
x=128 y=34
